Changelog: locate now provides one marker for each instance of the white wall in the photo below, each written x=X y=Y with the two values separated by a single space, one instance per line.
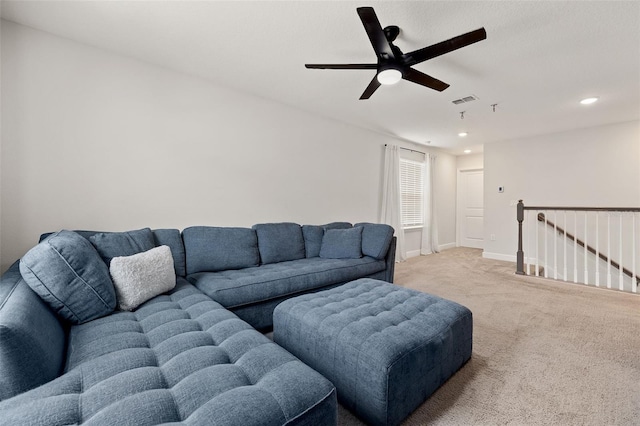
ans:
x=595 y=167
x=93 y=140
x=445 y=192
x=470 y=161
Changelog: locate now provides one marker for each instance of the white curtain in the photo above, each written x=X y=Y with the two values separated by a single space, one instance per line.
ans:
x=430 y=228
x=390 y=212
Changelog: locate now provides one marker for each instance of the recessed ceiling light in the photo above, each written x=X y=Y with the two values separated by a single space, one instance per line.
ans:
x=463 y=134
x=588 y=101
x=467 y=151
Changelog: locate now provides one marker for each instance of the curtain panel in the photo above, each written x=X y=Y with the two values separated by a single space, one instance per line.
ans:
x=430 y=228
x=390 y=212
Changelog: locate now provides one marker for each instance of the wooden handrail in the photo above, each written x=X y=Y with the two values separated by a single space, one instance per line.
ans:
x=562 y=231
x=586 y=209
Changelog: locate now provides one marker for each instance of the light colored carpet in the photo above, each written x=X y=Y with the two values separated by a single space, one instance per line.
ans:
x=544 y=352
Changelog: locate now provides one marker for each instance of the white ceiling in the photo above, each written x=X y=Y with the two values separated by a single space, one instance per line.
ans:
x=539 y=59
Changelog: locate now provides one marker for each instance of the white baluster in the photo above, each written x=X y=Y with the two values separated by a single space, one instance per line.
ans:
x=537 y=246
x=575 y=247
x=597 y=250
x=634 y=281
x=555 y=244
x=546 y=264
x=586 y=259
x=608 y=249
x=620 y=275
x=565 y=245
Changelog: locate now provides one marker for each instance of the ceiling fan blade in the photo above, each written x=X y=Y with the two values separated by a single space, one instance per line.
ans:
x=372 y=87
x=342 y=66
x=443 y=47
x=424 y=80
x=376 y=35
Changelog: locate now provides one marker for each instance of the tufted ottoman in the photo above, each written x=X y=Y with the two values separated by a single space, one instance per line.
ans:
x=385 y=348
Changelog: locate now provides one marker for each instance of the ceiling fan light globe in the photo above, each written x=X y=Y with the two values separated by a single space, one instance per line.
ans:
x=588 y=101
x=389 y=76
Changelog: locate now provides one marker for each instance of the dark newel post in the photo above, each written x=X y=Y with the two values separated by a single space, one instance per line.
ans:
x=520 y=254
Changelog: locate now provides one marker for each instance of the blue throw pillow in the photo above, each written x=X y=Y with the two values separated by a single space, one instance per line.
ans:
x=116 y=244
x=66 y=271
x=342 y=243
x=313 y=236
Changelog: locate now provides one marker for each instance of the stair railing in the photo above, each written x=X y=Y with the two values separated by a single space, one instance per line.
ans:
x=623 y=242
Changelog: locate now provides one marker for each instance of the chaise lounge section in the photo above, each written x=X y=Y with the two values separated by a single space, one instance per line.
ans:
x=181 y=357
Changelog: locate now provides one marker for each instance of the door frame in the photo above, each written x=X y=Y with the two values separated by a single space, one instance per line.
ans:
x=459 y=213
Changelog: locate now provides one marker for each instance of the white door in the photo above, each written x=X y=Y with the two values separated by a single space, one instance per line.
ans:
x=471 y=208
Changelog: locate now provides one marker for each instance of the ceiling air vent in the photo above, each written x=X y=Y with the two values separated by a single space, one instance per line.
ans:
x=465 y=99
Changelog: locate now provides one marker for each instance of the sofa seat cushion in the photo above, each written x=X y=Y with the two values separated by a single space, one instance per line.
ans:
x=180 y=357
x=253 y=285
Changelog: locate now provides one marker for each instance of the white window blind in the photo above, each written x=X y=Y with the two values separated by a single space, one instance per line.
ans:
x=411 y=190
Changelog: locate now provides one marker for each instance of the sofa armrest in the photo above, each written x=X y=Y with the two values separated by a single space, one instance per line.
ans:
x=32 y=339
x=390 y=261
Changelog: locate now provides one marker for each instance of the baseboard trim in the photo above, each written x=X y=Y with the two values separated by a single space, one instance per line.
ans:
x=499 y=256
x=416 y=253
x=413 y=253
x=446 y=246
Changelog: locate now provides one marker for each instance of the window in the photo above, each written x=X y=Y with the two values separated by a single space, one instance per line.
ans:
x=411 y=193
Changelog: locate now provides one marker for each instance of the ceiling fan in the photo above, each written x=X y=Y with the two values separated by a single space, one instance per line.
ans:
x=393 y=65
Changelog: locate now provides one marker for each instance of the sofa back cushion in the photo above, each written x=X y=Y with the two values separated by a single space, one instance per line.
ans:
x=209 y=248
x=376 y=238
x=279 y=242
x=162 y=237
x=33 y=339
x=173 y=239
x=114 y=244
x=313 y=236
x=67 y=272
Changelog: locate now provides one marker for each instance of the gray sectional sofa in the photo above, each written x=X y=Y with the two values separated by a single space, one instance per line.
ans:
x=150 y=327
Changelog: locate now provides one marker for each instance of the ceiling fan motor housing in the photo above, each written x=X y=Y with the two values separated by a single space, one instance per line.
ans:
x=391 y=32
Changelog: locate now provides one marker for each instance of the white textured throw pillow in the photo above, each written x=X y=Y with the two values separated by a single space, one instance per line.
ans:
x=142 y=276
